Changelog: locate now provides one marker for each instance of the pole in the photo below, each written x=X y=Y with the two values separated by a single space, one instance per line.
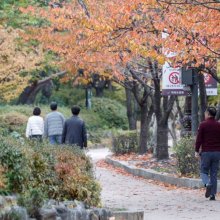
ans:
x=88 y=97
x=87 y=101
x=195 y=108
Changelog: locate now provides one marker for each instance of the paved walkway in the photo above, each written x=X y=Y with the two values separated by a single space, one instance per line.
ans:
x=158 y=202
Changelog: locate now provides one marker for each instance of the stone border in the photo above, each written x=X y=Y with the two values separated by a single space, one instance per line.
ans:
x=154 y=175
x=128 y=215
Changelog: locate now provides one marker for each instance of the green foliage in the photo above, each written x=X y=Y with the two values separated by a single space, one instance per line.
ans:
x=11 y=122
x=11 y=158
x=13 y=119
x=187 y=164
x=125 y=142
x=67 y=95
x=105 y=113
x=11 y=215
x=117 y=93
x=37 y=171
x=32 y=200
x=10 y=15
x=111 y=112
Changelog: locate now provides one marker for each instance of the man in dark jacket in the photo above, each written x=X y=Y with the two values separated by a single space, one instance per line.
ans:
x=74 y=130
x=208 y=146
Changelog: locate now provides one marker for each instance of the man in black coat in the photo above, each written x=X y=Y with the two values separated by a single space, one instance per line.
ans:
x=74 y=130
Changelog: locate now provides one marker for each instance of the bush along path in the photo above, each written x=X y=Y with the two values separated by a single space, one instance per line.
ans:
x=44 y=182
x=122 y=191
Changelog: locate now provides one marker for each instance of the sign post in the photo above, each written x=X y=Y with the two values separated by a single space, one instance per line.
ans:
x=184 y=82
x=171 y=84
x=194 y=98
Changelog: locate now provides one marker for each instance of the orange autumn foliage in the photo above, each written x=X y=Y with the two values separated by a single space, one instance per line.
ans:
x=119 y=31
x=14 y=59
x=194 y=31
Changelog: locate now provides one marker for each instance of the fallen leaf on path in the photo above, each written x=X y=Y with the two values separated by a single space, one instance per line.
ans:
x=105 y=165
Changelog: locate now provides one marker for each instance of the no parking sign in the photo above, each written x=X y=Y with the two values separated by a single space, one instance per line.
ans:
x=171 y=82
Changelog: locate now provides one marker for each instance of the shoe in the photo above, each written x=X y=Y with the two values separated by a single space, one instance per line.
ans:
x=208 y=191
x=212 y=197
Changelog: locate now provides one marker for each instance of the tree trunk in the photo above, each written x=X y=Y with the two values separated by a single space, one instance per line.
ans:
x=144 y=129
x=172 y=129
x=99 y=91
x=99 y=84
x=217 y=117
x=161 y=150
x=29 y=94
x=131 y=104
x=162 y=115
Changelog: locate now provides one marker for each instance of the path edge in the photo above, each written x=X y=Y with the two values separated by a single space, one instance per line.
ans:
x=154 y=175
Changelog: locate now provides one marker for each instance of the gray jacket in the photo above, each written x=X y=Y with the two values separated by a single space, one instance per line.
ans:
x=53 y=124
x=74 y=132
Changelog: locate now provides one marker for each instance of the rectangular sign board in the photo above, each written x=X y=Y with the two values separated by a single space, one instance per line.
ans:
x=171 y=83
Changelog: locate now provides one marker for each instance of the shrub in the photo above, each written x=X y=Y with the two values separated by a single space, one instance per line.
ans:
x=32 y=199
x=76 y=172
x=112 y=112
x=125 y=142
x=187 y=164
x=2 y=177
x=12 y=160
x=64 y=95
x=117 y=93
x=59 y=172
x=11 y=214
x=12 y=121
x=14 y=118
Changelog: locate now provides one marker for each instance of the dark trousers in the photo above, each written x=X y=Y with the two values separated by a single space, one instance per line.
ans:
x=209 y=169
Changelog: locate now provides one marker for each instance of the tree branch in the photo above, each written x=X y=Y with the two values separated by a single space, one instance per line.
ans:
x=83 y=5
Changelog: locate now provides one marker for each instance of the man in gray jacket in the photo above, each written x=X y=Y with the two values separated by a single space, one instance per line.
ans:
x=53 y=126
x=74 y=130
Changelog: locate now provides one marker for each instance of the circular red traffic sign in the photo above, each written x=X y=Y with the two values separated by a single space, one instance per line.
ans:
x=207 y=77
x=174 y=78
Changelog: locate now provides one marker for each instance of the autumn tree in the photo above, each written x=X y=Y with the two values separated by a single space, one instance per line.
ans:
x=15 y=59
x=101 y=37
x=193 y=28
x=108 y=44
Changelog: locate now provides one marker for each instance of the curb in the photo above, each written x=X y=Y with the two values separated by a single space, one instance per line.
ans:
x=154 y=175
x=128 y=215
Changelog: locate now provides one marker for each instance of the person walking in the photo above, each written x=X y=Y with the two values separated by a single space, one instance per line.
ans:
x=207 y=146
x=53 y=126
x=74 y=130
x=35 y=125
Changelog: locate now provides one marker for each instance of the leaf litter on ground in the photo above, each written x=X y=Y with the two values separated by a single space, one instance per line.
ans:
x=103 y=164
x=147 y=161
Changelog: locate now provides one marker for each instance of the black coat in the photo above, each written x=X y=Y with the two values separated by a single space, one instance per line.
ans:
x=74 y=132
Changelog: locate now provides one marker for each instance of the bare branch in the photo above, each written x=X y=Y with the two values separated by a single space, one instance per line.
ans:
x=83 y=5
x=207 y=4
